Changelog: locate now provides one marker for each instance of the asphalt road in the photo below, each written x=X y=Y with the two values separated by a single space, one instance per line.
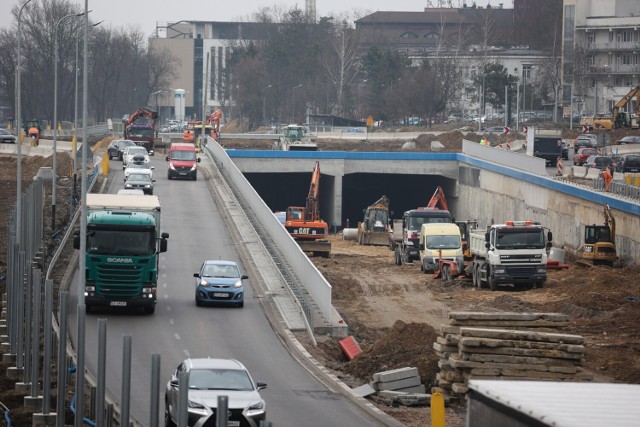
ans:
x=179 y=329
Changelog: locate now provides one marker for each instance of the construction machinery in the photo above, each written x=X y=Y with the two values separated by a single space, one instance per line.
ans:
x=295 y=138
x=466 y=228
x=620 y=119
x=374 y=228
x=214 y=121
x=304 y=223
x=600 y=242
x=140 y=127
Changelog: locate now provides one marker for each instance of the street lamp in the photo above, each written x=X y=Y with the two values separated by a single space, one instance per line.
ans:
x=74 y=138
x=264 y=111
x=293 y=102
x=19 y=130
x=55 y=114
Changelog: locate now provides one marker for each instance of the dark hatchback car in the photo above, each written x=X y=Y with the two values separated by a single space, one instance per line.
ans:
x=117 y=146
x=220 y=282
x=599 y=162
x=6 y=136
x=629 y=163
x=139 y=181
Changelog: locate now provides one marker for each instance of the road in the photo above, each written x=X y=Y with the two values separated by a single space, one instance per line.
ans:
x=179 y=329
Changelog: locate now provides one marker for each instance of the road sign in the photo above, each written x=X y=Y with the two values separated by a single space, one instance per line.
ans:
x=585 y=128
x=506 y=130
x=524 y=129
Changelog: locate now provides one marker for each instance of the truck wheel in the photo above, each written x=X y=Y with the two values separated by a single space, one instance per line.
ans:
x=539 y=285
x=446 y=273
x=491 y=282
x=474 y=276
x=398 y=258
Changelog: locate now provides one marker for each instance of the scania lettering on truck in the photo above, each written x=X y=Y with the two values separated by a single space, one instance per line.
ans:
x=405 y=235
x=440 y=241
x=122 y=254
x=511 y=253
x=183 y=161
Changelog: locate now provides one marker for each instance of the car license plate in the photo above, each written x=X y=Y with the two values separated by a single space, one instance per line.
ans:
x=182 y=173
x=119 y=303
x=220 y=295
x=233 y=423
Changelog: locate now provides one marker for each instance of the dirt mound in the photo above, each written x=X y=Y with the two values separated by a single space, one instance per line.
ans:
x=406 y=344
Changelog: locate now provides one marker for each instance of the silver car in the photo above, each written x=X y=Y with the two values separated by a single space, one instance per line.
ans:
x=208 y=379
x=130 y=152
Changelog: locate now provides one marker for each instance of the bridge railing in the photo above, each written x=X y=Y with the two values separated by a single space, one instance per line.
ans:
x=312 y=280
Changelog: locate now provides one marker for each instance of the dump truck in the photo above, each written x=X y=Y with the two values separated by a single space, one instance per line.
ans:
x=511 y=253
x=122 y=253
x=374 y=228
x=545 y=144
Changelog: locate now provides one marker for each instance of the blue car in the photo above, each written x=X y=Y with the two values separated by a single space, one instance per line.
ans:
x=219 y=282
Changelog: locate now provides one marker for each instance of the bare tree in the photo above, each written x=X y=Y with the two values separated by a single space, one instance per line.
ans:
x=341 y=61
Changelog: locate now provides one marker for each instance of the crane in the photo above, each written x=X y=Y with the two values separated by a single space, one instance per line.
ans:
x=304 y=223
x=214 y=120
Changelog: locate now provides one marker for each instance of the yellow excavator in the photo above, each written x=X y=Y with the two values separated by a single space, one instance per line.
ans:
x=600 y=242
x=621 y=119
x=374 y=228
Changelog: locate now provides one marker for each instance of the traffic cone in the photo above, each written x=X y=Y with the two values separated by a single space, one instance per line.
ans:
x=508 y=144
x=560 y=166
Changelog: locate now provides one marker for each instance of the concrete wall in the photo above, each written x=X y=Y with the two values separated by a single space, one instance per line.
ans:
x=489 y=195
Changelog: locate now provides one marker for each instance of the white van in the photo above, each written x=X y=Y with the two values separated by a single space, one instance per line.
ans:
x=440 y=240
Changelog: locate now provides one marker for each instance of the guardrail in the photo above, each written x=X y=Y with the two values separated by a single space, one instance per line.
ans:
x=312 y=280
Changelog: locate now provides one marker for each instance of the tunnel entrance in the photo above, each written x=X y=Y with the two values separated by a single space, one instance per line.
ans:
x=359 y=190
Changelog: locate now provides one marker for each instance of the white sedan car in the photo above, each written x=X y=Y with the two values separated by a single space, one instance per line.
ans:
x=130 y=152
x=139 y=167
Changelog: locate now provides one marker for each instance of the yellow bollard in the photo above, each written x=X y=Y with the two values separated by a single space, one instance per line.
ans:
x=636 y=181
x=627 y=178
x=48 y=126
x=105 y=165
x=9 y=126
x=22 y=137
x=437 y=408
x=59 y=127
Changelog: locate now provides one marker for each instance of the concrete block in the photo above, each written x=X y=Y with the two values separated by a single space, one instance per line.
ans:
x=24 y=388
x=364 y=390
x=399 y=384
x=14 y=372
x=43 y=419
x=33 y=402
x=436 y=146
x=395 y=374
x=418 y=389
x=390 y=394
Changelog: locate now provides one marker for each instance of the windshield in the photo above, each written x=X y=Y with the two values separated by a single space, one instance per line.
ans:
x=137 y=150
x=224 y=271
x=120 y=242
x=183 y=155
x=415 y=222
x=443 y=242
x=140 y=133
x=139 y=177
x=219 y=379
x=520 y=239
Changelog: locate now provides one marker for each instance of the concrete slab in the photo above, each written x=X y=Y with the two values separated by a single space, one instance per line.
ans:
x=391 y=394
x=395 y=374
x=364 y=390
x=33 y=402
x=40 y=419
x=23 y=388
x=418 y=389
x=399 y=384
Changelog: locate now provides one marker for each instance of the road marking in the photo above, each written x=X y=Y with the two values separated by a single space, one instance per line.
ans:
x=186 y=353
x=177 y=336
x=168 y=308
x=166 y=296
x=164 y=285
x=171 y=322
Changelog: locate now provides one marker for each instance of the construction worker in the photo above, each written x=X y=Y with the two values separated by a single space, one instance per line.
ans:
x=607 y=178
x=35 y=134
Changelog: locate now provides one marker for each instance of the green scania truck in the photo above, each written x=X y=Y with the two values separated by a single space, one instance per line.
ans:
x=122 y=254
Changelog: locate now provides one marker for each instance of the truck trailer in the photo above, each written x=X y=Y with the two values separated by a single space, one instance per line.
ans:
x=511 y=253
x=122 y=253
x=545 y=144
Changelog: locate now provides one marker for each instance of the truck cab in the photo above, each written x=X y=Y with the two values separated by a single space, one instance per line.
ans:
x=406 y=232
x=440 y=241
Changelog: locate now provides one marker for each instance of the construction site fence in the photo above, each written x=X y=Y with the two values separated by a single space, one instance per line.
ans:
x=619 y=188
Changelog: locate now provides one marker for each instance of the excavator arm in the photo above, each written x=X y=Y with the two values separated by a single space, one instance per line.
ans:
x=438 y=198
x=147 y=113
x=625 y=100
x=311 y=211
x=214 y=120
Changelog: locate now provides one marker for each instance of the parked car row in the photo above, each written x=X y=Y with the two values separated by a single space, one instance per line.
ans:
x=7 y=137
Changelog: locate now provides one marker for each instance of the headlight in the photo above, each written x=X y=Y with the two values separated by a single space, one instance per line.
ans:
x=171 y=167
x=147 y=186
x=196 y=408
x=499 y=270
x=128 y=186
x=541 y=269
x=90 y=288
x=194 y=166
x=255 y=409
x=204 y=283
x=238 y=284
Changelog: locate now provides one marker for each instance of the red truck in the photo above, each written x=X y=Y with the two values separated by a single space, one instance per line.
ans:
x=140 y=128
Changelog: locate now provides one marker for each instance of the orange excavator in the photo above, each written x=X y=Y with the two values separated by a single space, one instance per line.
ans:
x=214 y=121
x=438 y=199
x=304 y=223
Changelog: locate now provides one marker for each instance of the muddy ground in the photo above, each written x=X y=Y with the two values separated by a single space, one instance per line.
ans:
x=393 y=311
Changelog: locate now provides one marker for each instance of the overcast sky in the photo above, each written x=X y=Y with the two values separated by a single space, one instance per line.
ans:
x=144 y=14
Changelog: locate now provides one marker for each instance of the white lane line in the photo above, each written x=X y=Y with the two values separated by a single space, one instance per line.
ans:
x=168 y=308
x=186 y=353
x=164 y=285
x=171 y=322
x=166 y=296
x=177 y=336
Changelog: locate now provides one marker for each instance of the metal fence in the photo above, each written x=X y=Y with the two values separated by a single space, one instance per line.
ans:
x=618 y=188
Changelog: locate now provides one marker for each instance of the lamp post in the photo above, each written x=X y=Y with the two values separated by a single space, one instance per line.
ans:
x=55 y=114
x=264 y=111
x=74 y=139
x=19 y=130
x=293 y=102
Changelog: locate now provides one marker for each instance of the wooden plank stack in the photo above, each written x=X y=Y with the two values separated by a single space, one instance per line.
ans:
x=505 y=345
